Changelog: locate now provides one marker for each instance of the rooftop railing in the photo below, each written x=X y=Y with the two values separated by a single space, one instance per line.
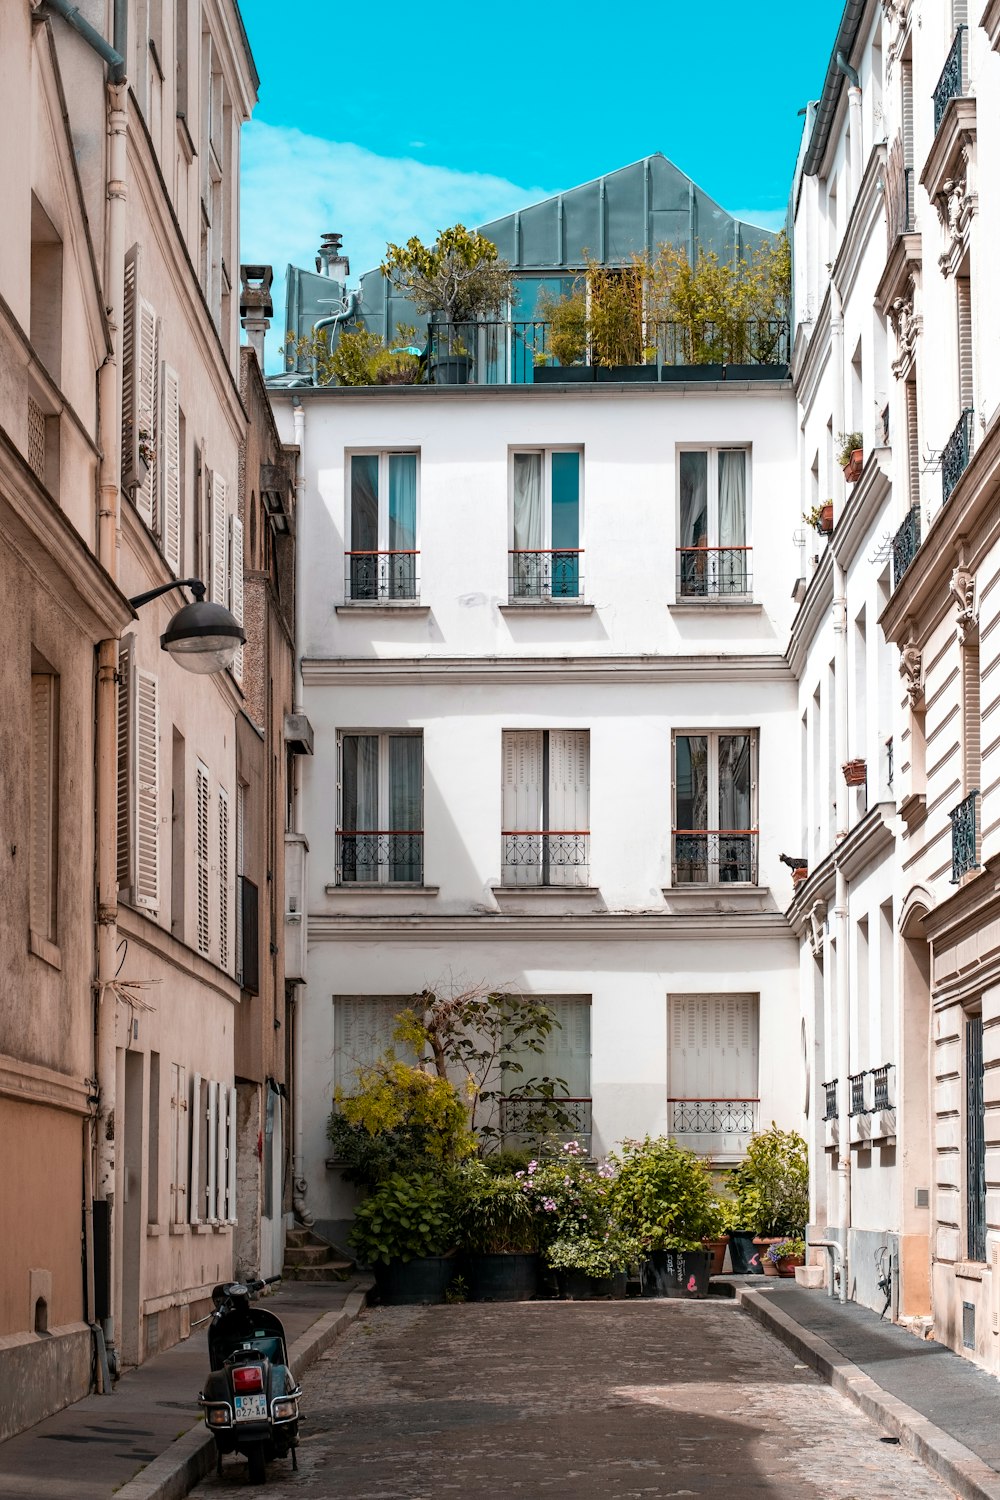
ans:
x=951 y=84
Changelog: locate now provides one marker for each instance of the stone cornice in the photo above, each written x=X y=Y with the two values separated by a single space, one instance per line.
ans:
x=990 y=22
x=145 y=934
x=903 y=262
x=546 y=670
x=37 y=1085
x=663 y=390
x=956 y=131
x=812 y=611
x=815 y=357
x=867 y=498
x=970 y=516
x=868 y=205
x=548 y=927
x=867 y=842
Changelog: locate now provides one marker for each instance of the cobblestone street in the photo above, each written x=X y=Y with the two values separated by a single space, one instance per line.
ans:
x=635 y=1399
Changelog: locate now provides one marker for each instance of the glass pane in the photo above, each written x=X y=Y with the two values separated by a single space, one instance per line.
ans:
x=693 y=528
x=691 y=809
x=529 y=332
x=401 y=572
x=565 y=524
x=735 y=852
x=732 y=521
x=405 y=807
x=359 y=855
x=364 y=526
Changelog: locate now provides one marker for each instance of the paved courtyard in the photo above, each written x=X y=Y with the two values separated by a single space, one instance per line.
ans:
x=642 y=1399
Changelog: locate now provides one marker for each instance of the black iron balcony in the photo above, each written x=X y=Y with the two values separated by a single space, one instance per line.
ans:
x=714 y=856
x=830 y=1096
x=544 y=857
x=964 y=837
x=713 y=1116
x=956 y=454
x=376 y=577
x=742 y=341
x=546 y=573
x=880 y=1087
x=528 y=1120
x=951 y=84
x=857 y=1083
x=905 y=544
x=380 y=856
x=713 y=572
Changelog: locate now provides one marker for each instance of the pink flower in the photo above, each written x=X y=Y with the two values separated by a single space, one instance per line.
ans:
x=549 y=1205
x=531 y=1167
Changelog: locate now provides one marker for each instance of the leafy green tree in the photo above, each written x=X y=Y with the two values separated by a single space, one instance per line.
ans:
x=461 y=276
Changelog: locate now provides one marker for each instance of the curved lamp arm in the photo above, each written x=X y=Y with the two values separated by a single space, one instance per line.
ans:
x=194 y=584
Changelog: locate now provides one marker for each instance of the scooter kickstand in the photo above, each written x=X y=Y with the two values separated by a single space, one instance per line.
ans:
x=295 y=1459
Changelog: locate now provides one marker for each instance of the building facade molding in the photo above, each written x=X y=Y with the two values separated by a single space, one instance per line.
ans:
x=547 y=927
x=495 y=670
x=37 y=1085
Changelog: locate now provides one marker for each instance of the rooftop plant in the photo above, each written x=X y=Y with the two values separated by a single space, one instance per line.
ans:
x=461 y=277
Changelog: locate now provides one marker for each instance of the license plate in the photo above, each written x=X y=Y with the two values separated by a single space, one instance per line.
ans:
x=251 y=1409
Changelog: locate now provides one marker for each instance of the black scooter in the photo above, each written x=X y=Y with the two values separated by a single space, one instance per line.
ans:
x=250 y=1398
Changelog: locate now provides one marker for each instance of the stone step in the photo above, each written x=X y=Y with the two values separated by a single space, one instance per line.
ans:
x=333 y=1270
x=306 y=1255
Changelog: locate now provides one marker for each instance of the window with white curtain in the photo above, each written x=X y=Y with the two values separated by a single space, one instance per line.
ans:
x=715 y=808
x=380 y=833
x=545 y=553
x=546 y=807
x=713 y=555
x=382 y=526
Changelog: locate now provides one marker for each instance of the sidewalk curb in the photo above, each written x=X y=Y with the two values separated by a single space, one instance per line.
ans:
x=181 y=1466
x=964 y=1471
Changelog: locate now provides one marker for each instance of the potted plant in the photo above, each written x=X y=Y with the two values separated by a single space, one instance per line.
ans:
x=405 y=1231
x=785 y=1255
x=716 y=1237
x=799 y=876
x=855 y=772
x=820 y=517
x=771 y=1190
x=567 y=339
x=851 y=457
x=497 y=1233
x=594 y=1265
x=663 y=1193
x=456 y=282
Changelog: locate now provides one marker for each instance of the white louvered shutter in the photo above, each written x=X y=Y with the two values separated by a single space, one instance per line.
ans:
x=126 y=755
x=219 y=540
x=231 y=1160
x=362 y=1032
x=146 y=892
x=201 y=854
x=225 y=894
x=178 y=1144
x=569 y=805
x=913 y=440
x=130 y=425
x=41 y=799
x=146 y=369
x=963 y=294
x=170 y=468
x=236 y=585
x=566 y=1053
x=521 y=806
x=713 y=1046
x=212 y=1144
x=197 y=1176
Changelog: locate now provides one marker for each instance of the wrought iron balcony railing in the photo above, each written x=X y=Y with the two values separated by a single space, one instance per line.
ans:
x=951 y=84
x=857 y=1083
x=713 y=572
x=528 y=1120
x=546 y=573
x=714 y=856
x=880 y=1087
x=713 y=1116
x=964 y=837
x=374 y=577
x=831 y=1111
x=955 y=454
x=380 y=856
x=745 y=341
x=905 y=544
x=545 y=857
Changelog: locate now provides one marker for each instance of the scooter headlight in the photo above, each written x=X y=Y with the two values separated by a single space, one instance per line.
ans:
x=284 y=1411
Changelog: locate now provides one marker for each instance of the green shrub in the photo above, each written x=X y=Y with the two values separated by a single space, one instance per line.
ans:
x=663 y=1193
x=493 y=1215
x=595 y=1255
x=400 y=1120
x=771 y=1185
x=404 y=1218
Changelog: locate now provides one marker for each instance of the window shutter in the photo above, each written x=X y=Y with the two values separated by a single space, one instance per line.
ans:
x=147 y=793
x=219 y=539
x=913 y=440
x=145 y=373
x=971 y=718
x=238 y=834
x=130 y=423
x=713 y=1046
x=521 y=810
x=906 y=89
x=178 y=1144
x=236 y=585
x=212 y=1143
x=569 y=795
x=170 y=469
x=42 y=804
x=197 y=1176
x=963 y=292
x=231 y=1161
x=201 y=814
x=362 y=1032
x=126 y=756
x=566 y=1053
x=225 y=896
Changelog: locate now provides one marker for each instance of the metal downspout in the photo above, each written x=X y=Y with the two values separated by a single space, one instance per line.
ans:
x=300 y=1185
x=71 y=15
x=854 y=111
x=350 y=308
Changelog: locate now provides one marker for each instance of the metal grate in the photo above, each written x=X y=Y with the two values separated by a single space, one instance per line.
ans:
x=964 y=839
x=956 y=454
x=830 y=1096
x=857 y=1083
x=713 y=572
x=248 y=956
x=543 y=573
x=975 y=1140
x=375 y=576
x=380 y=856
x=714 y=856
x=905 y=544
x=968 y=1325
x=36 y=439
x=713 y=1116
x=527 y=1120
x=880 y=1087
x=951 y=84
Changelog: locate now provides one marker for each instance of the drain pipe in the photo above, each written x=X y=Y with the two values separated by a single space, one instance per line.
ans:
x=71 y=15
x=300 y=1185
x=854 y=110
x=835 y=1251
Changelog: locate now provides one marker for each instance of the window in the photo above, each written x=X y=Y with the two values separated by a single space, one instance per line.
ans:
x=138 y=782
x=712 y=1071
x=715 y=791
x=201 y=853
x=382 y=561
x=380 y=838
x=43 y=801
x=545 y=554
x=225 y=896
x=213 y=1152
x=363 y=1027
x=45 y=309
x=526 y=1121
x=546 y=807
x=713 y=558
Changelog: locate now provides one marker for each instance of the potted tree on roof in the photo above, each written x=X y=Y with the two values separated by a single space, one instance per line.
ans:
x=457 y=282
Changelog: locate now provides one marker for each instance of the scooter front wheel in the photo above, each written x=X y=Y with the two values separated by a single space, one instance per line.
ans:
x=257 y=1468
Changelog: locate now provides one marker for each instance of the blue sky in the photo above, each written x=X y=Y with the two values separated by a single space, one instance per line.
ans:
x=387 y=123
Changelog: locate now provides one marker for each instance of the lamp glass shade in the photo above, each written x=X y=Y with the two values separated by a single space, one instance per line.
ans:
x=203 y=637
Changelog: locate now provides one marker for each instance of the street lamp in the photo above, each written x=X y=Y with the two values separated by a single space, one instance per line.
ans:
x=201 y=637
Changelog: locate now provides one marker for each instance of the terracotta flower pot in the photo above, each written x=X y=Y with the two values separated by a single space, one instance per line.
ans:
x=786 y=1265
x=855 y=772
x=826 y=517
x=852 y=470
x=762 y=1244
x=799 y=877
x=717 y=1250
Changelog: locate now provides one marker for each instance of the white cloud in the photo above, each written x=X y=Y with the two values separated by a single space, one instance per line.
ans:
x=296 y=187
x=763 y=218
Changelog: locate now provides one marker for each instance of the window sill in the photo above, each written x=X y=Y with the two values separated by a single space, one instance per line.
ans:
x=382 y=607
x=152 y=1230
x=201 y=1228
x=506 y=894
x=397 y=888
x=546 y=607
x=48 y=952
x=744 y=606
x=971 y=1270
x=179 y=1228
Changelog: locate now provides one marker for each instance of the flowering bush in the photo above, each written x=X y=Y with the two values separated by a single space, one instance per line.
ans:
x=569 y=1198
x=781 y=1249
